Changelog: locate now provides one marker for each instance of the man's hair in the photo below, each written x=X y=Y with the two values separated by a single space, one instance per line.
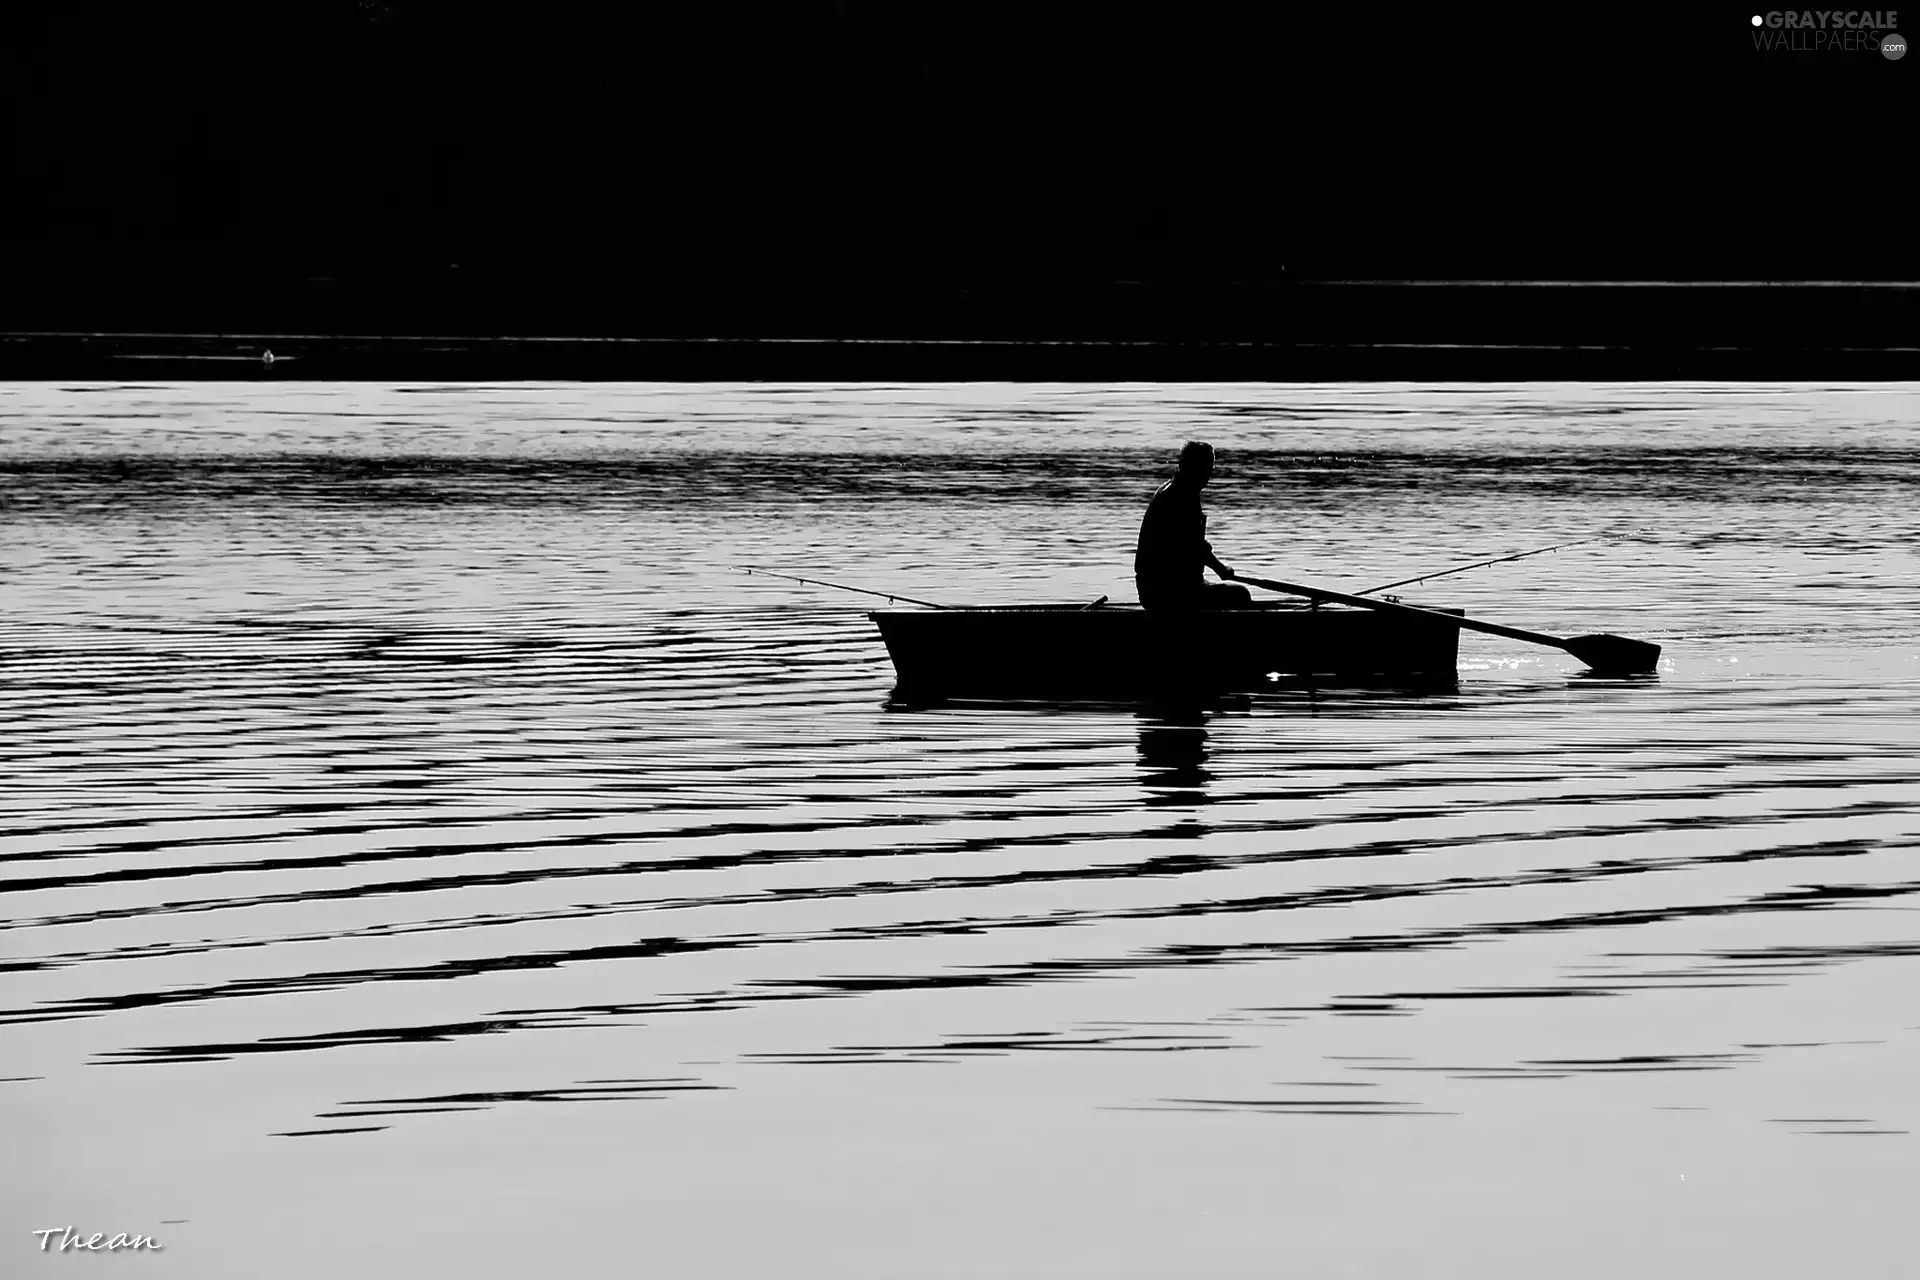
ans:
x=1193 y=451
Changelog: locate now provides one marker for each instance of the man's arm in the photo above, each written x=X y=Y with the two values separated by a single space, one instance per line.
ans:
x=1213 y=561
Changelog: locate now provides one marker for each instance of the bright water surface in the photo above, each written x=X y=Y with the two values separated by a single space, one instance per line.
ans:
x=427 y=856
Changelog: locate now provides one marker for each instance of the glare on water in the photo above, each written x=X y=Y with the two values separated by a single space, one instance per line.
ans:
x=425 y=849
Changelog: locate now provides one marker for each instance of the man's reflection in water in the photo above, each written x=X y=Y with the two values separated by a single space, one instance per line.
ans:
x=1173 y=755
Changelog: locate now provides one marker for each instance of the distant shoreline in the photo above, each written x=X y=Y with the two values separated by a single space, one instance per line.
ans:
x=1119 y=330
x=125 y=357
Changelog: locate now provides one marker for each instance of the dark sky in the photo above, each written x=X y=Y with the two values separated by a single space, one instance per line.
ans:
x=327 y=161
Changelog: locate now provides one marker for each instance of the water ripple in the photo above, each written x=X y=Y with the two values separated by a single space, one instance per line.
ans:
x=405 y=723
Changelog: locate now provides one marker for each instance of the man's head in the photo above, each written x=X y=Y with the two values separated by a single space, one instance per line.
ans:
x=1196 y=463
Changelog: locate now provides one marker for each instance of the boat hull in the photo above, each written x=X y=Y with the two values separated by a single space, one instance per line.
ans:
x=1049 y=650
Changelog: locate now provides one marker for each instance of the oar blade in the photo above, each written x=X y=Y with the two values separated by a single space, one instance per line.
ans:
x=1614 y=655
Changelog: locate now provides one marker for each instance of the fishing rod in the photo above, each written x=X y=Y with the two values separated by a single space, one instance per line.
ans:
x=839 y=586
x=1481 y=564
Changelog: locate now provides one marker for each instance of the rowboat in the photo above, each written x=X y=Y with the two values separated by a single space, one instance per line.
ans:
x=1051 y=649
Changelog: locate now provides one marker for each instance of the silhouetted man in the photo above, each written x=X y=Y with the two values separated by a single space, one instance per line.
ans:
x=1173 y=544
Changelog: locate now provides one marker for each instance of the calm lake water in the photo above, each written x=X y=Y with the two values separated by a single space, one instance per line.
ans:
x=426 y=854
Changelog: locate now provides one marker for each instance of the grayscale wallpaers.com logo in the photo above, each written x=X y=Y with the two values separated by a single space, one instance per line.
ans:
x=1830 y=31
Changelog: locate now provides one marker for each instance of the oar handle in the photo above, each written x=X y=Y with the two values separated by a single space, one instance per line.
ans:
x=1406 y=610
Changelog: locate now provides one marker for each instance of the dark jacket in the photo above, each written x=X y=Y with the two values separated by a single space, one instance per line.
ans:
x=1173 y=549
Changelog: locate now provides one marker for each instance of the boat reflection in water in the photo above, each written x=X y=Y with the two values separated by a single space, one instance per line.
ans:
x=1173 y=756
x=1177 y=754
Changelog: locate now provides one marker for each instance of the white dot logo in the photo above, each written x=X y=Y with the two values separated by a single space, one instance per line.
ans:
x=1757 y=20
x=1894 y=46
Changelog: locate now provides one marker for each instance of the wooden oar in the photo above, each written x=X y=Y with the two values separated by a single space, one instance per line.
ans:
x=1612 y=655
